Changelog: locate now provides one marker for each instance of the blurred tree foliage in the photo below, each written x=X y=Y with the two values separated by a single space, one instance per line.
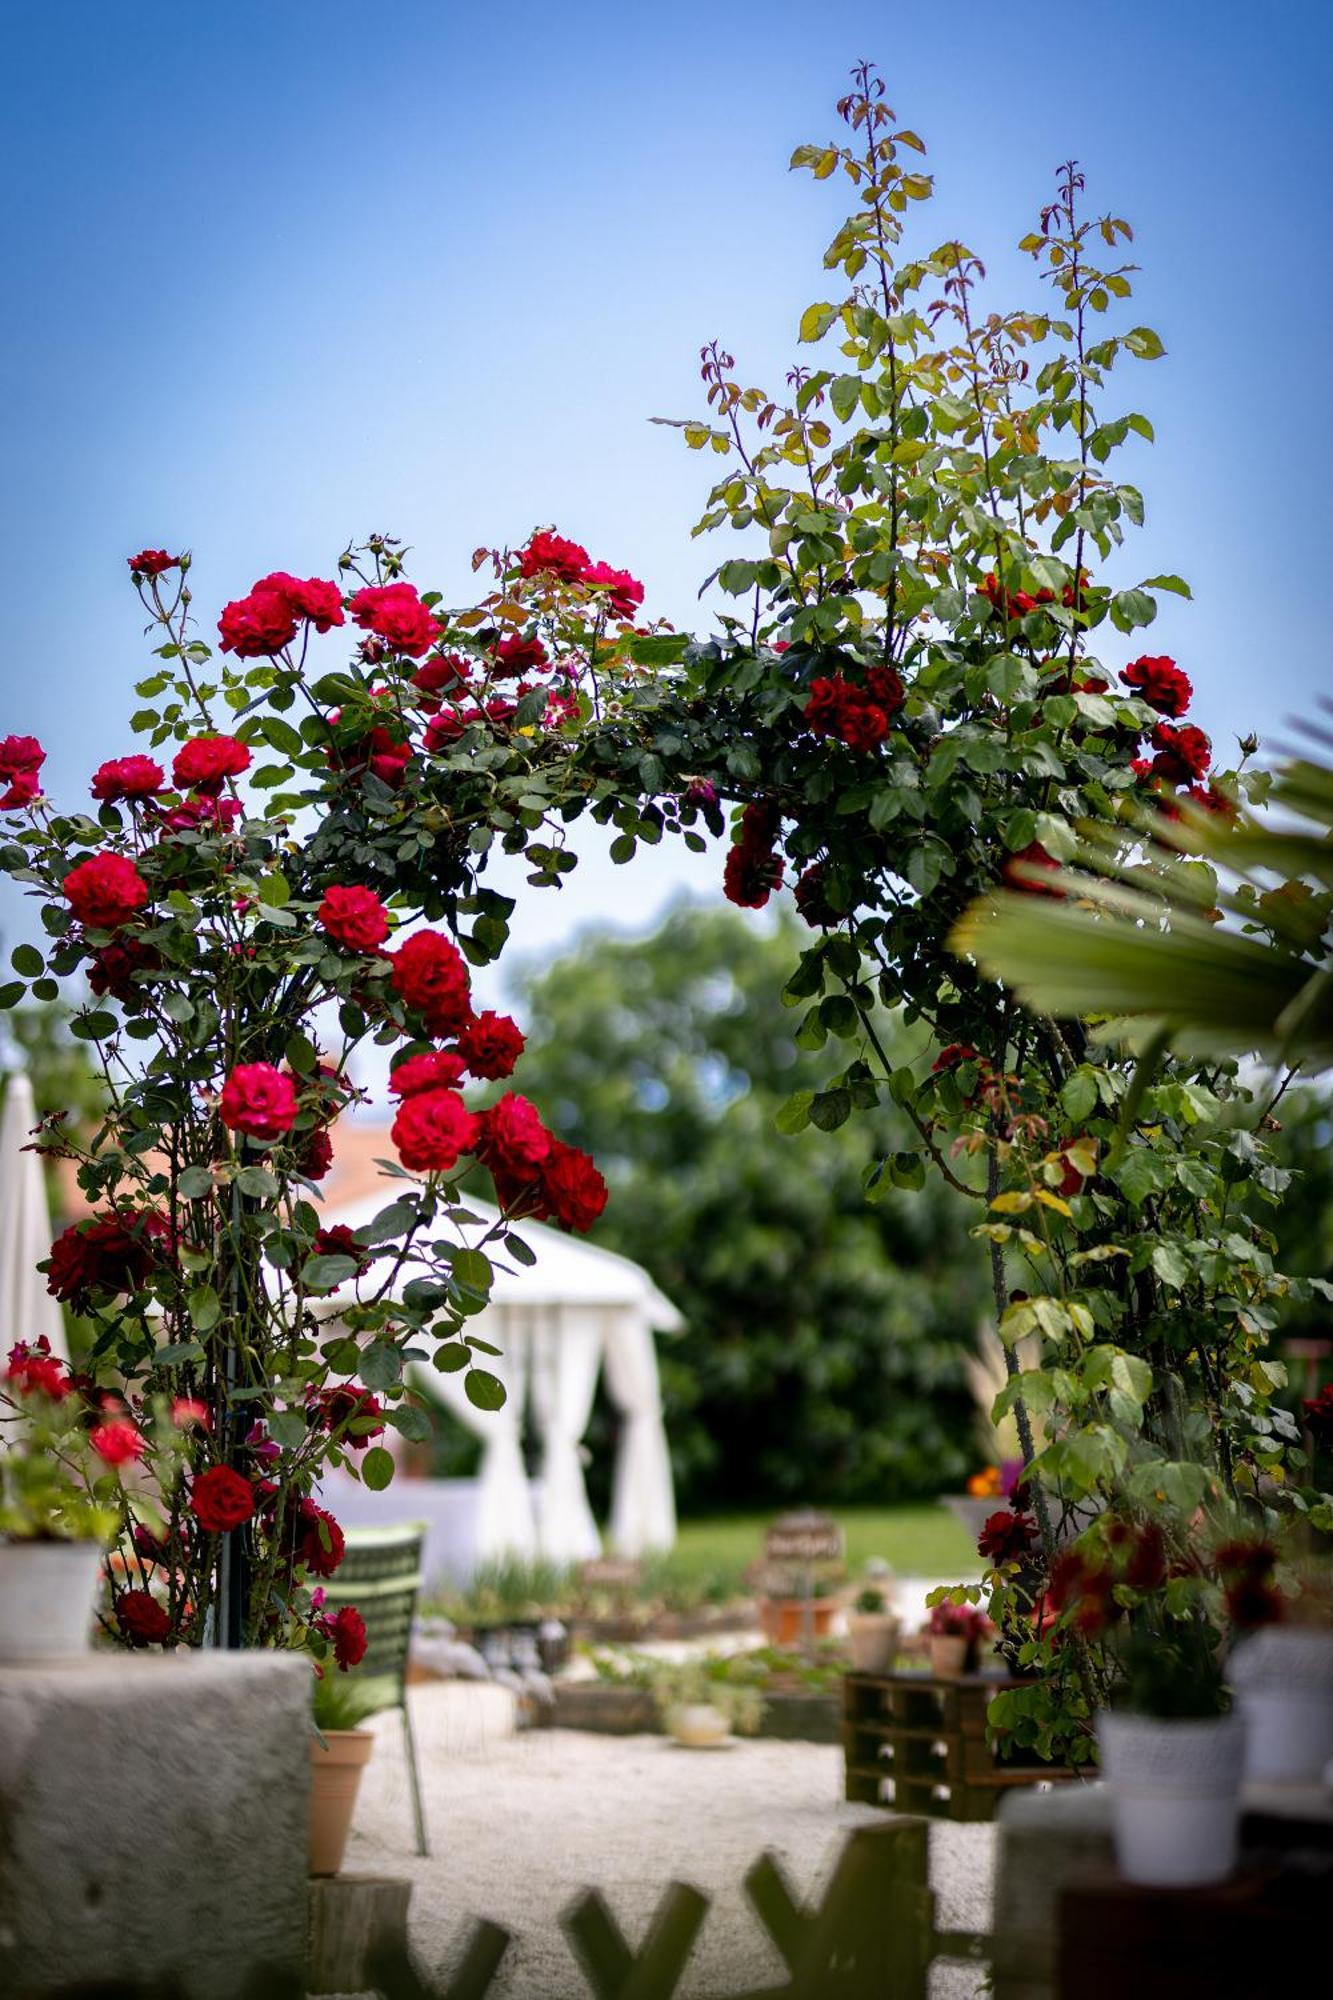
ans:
x=825 y=1332
x=1303 y=1224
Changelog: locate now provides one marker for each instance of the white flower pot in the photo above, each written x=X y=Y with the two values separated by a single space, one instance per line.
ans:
x=698 y=1725
x=1175 y=1796
x=47 y=1594
x=1283 y=1678
x=872 y=1641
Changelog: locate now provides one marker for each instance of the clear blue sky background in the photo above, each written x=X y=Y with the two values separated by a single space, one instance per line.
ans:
x=280 y=274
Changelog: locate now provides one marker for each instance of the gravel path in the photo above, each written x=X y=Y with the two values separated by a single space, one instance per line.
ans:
x=520 y=1823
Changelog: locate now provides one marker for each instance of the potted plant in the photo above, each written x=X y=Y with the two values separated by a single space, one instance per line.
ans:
x=1173 y=1752
x=1281 y=1666
x=954 y=1633
x=339 y=1752
x=794 y=1607
x=56 y=1512
x=701 y=1710
x=872 y=1631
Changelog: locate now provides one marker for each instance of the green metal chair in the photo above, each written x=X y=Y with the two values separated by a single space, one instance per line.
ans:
x=380 y=1574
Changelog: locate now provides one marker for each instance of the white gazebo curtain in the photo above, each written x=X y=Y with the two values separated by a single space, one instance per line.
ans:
x=506 y=1523
x=565 y=1353
x=643 y=1498
x=27 y=1310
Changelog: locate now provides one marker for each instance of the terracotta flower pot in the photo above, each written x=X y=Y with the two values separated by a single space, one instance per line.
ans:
x=948 y=1652
x=335 y=1780
x=786 y=1621
x=872 y=1641
x=48 y=1591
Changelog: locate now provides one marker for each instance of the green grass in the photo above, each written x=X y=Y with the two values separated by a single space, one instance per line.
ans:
x=921 y=1539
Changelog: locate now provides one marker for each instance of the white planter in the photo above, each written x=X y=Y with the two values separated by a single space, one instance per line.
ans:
x=1175 y=1796
x=1283 y=1678
x=47 y=1594
x=698 y=1725
x=872 y=1641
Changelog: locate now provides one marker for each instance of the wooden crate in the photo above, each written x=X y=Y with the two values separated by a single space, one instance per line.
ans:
x=918 y=1744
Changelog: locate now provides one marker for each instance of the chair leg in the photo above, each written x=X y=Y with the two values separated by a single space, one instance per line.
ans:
x=414 y=1776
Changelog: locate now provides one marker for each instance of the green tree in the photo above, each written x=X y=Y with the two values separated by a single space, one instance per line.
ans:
x=825 y=1335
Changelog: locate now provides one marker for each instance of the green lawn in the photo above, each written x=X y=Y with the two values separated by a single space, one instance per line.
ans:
x=921 y=1539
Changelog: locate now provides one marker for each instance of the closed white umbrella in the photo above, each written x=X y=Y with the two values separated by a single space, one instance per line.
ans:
x=27 y=1310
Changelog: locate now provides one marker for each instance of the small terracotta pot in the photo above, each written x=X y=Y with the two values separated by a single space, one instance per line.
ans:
x=785 y=1621
x=948 y=1652
x=335 y=1779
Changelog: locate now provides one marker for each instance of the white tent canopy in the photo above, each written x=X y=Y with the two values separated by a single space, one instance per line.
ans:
x=27 y=1310
x=575 y=1314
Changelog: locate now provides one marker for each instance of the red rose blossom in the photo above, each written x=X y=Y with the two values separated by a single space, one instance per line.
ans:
x=117 y=1251
x=395 y=613
x=1034 y=855
x=257 y=626
x=34 y=1370
x=446 y=674
x=117 y=1441
x=127 y=778
x=430 y=977
x=216 y=815
x=431 y=1129
x=1160 y=682
x=513 y=1140
x=437 y=1069
x=518 y=655
x=316 y=1156
x=1183 y=754
x=21 y=758
x=151 y=562
x=259 y=1101
x=105 y=891
x=344 y=1403
x=311 y=597
x=141 y=1618
x=346 y=1632
x=811 y=898
x=553 y=554
x=490 y=1044
x=952 y=1055
x=221 y=1499
x=320 y=1545
x=1006 y=1537
x=355 y=917
x=624 y=594
x=573 y=1191
x=206 y=762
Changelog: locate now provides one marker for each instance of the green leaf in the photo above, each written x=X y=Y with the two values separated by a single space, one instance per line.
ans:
x=830 y=1108
x=1175 y=583
x=377 y=1468
x=205 y=1308
x=325 y=1274
x=484 y=1390
x=1078 y=1095
x=12 y=993
x=194 y=1182
x=381 y=1365
x=391 y=1223
x=258 y=1183
x=816 y=321
x=411 y=1423
x=794 y=1115
x=26 y=958
x=473 y=1269
x=450 y=1357
x=1171 y=1265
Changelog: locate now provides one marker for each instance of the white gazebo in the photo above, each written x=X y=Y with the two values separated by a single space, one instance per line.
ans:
x=27 y=1310
x=576 y=1314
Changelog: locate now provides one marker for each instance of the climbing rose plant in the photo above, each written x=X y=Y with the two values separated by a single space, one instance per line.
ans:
x=286 y=871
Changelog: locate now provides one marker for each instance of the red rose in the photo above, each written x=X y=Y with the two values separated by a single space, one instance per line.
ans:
x=258 y=1100
x=863 y=725
x=554 y=555
x=885 y=687
x=430 y=977
x=573 y=1192
x=343 y=1404
x=347 y=1633
x=860 y=716
x=21 y=758
x=812 y=900
x=127 y=778
x=308 y=597
x=1182 y=754
x=320 y=1545
x=446 y=674
x=447 y=725
x=438 y=1069
x=141 y=1618
x=221 y=1500
x=105 y=891
x=395 y=612
x=1146 y=1568
x=490 y=1045
x=34 y=1370
x=117 y=1251
x=1251 y=1602
x=951 y=1056
x=1006 y=1537
x=378 y=751
x=1034 y=855
x=431 y=1129
x=152 y=562
x=217 y=815
x=257 y=626
x=188 y=1413
x=513 y=1140
x=517 y=655
x=114 y=966
x=117 y=1441
x=624 y=593
x=1160 y=682
x=752 y=871
x=354 y=917
x=206 y=762
x=316 y=1156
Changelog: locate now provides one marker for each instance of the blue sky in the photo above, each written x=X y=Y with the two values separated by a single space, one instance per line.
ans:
x=282 y=274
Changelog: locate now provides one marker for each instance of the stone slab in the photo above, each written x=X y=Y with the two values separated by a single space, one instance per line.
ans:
x=153 y=1823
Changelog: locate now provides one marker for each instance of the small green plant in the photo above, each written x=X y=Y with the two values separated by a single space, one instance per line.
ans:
x=340 y=1701
x=1174 y=1674
x=872 y=1601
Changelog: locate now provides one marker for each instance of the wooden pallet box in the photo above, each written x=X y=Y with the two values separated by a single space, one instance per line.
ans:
x=917 y=1743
